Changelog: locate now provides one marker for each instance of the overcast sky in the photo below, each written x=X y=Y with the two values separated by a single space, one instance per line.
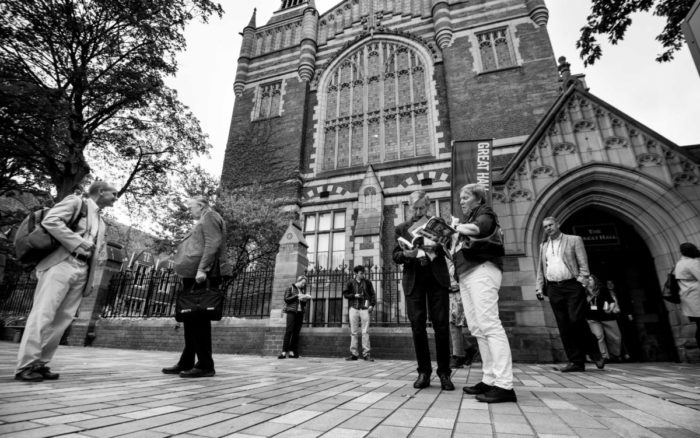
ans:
x=665 y=97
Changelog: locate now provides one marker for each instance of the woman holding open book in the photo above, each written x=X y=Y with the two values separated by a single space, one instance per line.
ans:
x=478 y=258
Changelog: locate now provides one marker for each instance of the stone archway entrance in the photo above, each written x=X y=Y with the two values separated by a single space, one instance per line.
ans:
x=617 y=252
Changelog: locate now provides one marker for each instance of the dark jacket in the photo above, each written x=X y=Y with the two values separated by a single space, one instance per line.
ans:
x=292 y=302
x=366 y=291
x=599 y=302
x=487 y=221
x=204 y=248
x=412 y=266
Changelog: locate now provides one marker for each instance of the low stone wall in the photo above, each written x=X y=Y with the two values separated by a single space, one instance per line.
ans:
x=260 y=337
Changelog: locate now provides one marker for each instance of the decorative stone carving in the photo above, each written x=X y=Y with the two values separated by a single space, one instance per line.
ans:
x=498 y=196
x=615 y=142
x=649 y=159
x=687 y=166
x=522 y=170
x=553 y=130
x=563 y=148
x=520 y=195
x=652 y=144
x=512 y=185
x=542 y=172
x=532 y=157
x=633 y=132
x=543 y=144
x=583 y=125
x=684 y=179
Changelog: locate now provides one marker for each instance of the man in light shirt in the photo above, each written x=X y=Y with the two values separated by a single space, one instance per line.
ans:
x=562 y=274
x=64 y=277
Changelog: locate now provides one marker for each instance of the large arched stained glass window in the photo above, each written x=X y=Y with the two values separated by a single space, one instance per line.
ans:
x=376 y=107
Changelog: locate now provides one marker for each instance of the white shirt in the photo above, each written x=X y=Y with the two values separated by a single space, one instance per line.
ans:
x=556 y=269
x=93 y=221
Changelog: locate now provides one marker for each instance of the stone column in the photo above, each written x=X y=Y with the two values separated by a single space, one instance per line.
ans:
x=290 y=263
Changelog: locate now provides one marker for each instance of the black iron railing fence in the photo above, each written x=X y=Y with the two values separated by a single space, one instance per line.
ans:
x=17 y=294
x=144 y=294
x=328 y=308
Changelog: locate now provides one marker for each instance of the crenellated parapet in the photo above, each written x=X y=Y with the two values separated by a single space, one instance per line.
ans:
x=538 y=12
x=307 y=52
x=247 y=48
x=442 y=23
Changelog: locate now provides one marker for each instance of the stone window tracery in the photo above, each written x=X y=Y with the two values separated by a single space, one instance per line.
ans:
x=268 y=102
x=376 y=107
x=495 y=49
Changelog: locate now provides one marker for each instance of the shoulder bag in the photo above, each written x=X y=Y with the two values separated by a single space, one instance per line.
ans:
x=205 y=303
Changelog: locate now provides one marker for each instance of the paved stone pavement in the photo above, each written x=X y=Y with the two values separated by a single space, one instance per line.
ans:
x=111 y=392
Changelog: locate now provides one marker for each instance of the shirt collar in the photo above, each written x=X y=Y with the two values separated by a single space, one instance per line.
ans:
x=94 y=205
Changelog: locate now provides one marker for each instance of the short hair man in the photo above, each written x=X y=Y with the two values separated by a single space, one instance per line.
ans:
x=361 y=301
x=64 y=277
x=426 y=285
x=201 y=263
x=562 y=274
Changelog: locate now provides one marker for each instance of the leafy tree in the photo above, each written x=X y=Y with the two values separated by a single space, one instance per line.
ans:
x=613 y=17
x=255 y=223
x=84 y=78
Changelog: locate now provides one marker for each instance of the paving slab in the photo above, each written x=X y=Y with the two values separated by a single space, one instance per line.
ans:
x=251 y=396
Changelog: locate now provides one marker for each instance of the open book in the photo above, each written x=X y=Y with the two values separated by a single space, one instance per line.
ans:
x=427 y=234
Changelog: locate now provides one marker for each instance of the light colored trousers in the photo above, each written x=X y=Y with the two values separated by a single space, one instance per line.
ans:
x=359 y=320
x=479 y=288
x=58 y=294
x=609 y=337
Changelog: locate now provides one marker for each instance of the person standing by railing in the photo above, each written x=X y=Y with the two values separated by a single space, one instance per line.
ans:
x=201 y=262
x=361 y=301
x=295 y=300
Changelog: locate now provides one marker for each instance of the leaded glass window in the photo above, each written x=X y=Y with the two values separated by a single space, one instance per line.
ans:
x=376 y=108
x=495 y=49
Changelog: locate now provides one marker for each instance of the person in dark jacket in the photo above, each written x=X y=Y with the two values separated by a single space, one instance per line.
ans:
x=201 y=263
x=295 y=300
x=601 y=315
x=361 y=301
x=479 y=266
x=426 y=282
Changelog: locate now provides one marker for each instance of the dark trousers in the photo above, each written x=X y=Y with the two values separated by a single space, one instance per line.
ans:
x=429 y=297
x=568 y=300
x=291 y=334
x=197 y=332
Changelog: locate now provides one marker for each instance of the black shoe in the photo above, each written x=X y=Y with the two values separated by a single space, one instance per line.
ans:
x=497 y=395
x=283 y=355
x=600 y=363
x=470 y=354
x=29 y=375
x=457 y=361
x=176 y=369
x=479 y=388
x=368 y=358
x=196 y=372
x=446 y=383
x=572 y=368
x=294 y=356
x=352 y=357
x=46 y=373
x=423 y=381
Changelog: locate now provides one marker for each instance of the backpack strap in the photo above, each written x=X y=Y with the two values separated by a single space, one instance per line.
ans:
x=81 y=214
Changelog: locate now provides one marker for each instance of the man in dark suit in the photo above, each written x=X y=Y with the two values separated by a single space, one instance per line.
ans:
x=562 y=274
x=426 y=284
x=201 y=263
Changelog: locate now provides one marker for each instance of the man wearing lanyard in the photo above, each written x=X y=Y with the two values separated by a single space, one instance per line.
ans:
x=562 y=274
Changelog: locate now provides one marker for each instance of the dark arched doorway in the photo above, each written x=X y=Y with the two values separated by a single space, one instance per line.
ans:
x=616 y=252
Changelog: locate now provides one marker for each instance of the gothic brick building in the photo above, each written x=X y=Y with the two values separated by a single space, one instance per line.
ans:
x=347 y=112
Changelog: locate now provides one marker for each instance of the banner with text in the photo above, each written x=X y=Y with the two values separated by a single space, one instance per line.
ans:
x=471 y=163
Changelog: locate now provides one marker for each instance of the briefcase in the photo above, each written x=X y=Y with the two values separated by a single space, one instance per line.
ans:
x=203 y=303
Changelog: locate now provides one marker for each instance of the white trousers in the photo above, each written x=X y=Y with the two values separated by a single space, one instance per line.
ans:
x=359 y=320
x=57 y=297
x=479 y=288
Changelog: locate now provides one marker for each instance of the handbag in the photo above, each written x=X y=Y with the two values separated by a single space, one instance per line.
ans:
x=671 y=291
x=491 y=244
x=207 y=303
